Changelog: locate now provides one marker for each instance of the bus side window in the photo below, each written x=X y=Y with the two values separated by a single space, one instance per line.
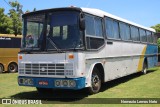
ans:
x=109 y=27
x=90 y=30
x=135 y=33
x=143 y=36
x=98 y=27
x=112 y=28
x=149 y=37
x=94 y=32
x=124 y=31
x=154 y=38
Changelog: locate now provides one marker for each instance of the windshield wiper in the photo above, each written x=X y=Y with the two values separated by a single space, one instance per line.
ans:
x=54 y=45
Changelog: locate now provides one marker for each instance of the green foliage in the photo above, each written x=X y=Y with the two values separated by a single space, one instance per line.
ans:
x=5 y=23
x=158 y=43
x=15 y=16
x=156 y=27
x=11 y=23
x=27 y=11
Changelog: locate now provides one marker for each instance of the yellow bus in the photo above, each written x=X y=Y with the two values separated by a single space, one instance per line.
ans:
x=9 y=48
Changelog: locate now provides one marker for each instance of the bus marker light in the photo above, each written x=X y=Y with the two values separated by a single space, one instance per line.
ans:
x=71 y=56
x=20 y=57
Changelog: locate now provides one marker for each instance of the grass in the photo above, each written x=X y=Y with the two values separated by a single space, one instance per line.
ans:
x=133 y=86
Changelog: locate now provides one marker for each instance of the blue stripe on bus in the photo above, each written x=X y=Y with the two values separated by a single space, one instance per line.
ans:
x=152 y=60
x=80 y=82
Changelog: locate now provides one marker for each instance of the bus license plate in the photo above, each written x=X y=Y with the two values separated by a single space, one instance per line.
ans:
x=43 y=82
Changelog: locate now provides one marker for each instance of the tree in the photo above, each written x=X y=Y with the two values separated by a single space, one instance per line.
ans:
x=15 y=15
x=27 y=11
x=5 y=23
x=156 y=27
x=34 y=9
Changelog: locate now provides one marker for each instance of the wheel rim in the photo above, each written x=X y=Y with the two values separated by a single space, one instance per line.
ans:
x=12 y=68
x=95 y=82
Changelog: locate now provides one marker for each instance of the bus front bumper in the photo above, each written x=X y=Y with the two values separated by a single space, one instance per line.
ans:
x=55 y=83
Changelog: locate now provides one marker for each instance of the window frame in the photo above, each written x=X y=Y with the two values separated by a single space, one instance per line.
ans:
x=150 y=37
x=94 y=36
x=138 y=34
x=154 y=38
x=106 y=36
x=146 y=42
x=126 y=24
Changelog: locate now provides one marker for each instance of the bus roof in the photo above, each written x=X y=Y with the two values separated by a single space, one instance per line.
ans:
x=10 y=35
x=101 y=13
x=92 y=11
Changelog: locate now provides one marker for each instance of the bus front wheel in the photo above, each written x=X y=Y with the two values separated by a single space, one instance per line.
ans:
x=12 y=68
x=95 y=82
x=1 y=68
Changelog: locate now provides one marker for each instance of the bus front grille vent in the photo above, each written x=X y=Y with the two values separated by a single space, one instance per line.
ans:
x=45 y=69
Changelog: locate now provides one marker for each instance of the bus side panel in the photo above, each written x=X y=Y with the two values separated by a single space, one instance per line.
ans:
x=119 y=59
x=8 y=55
x=151 y=54
x=9 y=48
x=123 y=59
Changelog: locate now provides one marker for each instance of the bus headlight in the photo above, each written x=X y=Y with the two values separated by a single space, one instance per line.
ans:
x=25 y=81
x=21 y=81
x=65 y=83
x=57 y=83
x=30 y=82
x=72 y=83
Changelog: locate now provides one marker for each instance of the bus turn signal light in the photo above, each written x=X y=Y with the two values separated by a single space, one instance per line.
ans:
x=20 y=57
x=71 y=56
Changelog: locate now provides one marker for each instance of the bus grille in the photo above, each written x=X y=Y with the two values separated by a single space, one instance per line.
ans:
x=45 y=69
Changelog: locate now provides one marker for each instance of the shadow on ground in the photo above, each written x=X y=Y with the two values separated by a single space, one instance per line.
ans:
x=73 y=95
x=118 y=81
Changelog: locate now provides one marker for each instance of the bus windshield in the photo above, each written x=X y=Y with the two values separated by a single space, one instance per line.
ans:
x=32 y=30
x=59 y=30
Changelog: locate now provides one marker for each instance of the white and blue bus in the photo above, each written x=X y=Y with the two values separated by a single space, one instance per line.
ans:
x=76 y=48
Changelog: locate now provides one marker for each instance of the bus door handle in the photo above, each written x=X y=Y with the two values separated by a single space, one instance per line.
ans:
x=110 y=43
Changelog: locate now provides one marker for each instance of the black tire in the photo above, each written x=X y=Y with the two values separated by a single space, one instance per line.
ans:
x=12 y=68
x=95 y=82
x=144 y=71
x=1 y=68
x=44 y=90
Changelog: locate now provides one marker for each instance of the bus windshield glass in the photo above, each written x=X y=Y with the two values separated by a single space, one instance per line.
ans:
x=63 y=30
x=32 y=30
x=60 y=30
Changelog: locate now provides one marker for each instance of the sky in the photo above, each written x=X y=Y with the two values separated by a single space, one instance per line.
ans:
x=143 y=12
